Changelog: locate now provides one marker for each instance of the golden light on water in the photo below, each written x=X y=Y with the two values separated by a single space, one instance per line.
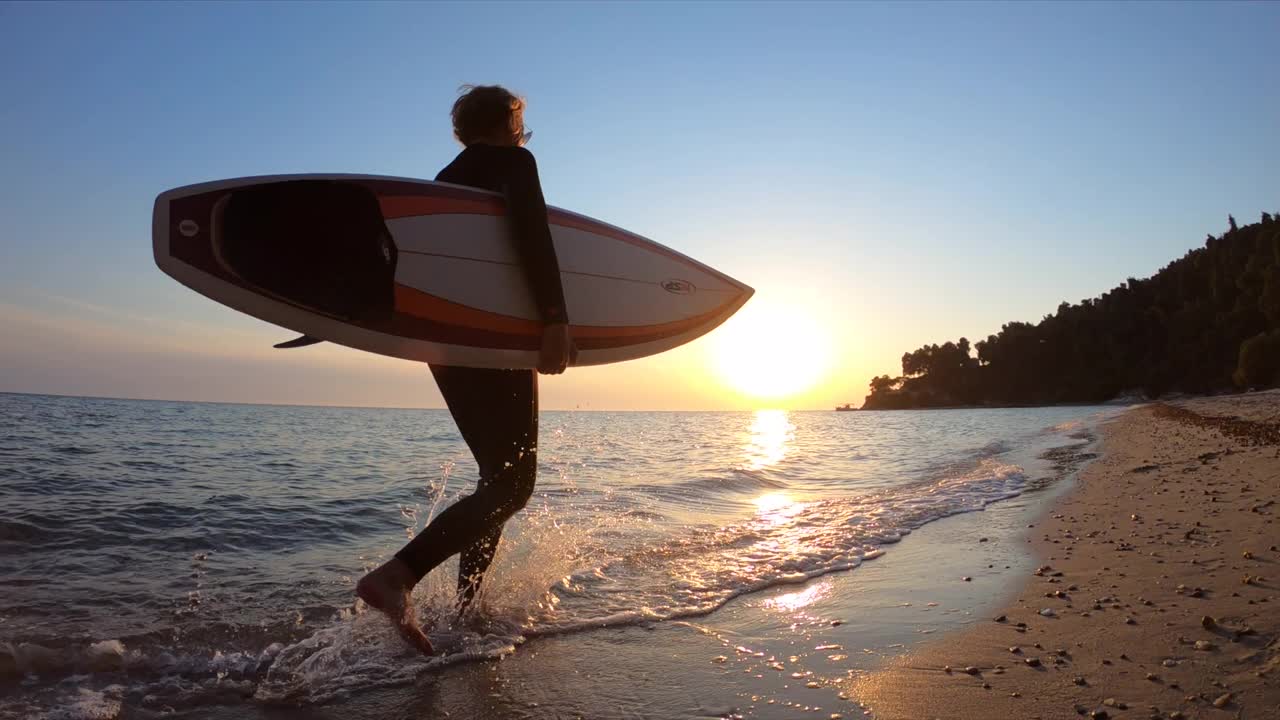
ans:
x=771 y=351
x=799 y=599
x=772 y=502
x=770 y=433
x=776 y=509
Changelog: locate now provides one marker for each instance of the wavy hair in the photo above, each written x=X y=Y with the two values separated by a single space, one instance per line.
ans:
x=486 y=111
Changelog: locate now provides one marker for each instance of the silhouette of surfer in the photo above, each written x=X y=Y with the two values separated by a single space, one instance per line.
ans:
x=495 y=410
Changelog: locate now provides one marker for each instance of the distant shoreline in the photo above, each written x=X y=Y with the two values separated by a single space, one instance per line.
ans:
x=1114 y=402
x=1105 y=403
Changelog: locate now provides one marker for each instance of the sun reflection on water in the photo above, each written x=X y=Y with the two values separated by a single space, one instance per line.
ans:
x=772 y=502
x=776 y=508
x=793 y=601
x=771 y=432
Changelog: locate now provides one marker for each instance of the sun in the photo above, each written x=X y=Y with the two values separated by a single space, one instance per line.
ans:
x=771 y=351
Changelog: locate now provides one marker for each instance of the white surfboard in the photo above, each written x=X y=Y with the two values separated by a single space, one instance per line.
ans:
x=460 y=294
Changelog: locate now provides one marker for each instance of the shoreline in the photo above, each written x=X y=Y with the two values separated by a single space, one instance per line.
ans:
x=1159 y=572
x=776 y=654
x=1115 y=402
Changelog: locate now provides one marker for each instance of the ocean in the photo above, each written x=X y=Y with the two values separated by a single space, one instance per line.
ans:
x=197 y=559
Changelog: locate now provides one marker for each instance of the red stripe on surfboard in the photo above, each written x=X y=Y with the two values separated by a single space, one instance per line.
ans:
x=401 y=206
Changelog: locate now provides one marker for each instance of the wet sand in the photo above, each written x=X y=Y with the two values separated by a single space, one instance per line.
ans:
x=1156 y=592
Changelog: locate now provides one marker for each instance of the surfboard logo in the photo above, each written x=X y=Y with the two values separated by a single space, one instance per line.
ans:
x=679 y=287
x=188 y=228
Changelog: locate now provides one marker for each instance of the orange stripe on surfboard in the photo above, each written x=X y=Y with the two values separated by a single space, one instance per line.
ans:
x=412 y=301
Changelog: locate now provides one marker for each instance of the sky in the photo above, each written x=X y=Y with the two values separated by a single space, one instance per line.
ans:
x=884 y=175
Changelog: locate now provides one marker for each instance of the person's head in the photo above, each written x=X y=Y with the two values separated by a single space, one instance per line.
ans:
x=489 y=114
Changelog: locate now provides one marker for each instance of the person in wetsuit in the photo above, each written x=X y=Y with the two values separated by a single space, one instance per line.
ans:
x=495 y=410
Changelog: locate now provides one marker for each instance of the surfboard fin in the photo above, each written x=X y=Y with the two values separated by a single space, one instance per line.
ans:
x=300 y=341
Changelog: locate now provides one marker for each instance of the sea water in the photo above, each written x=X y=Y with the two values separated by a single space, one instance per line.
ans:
x=167 y=555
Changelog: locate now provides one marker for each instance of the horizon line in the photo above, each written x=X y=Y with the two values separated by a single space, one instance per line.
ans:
x=366 y=407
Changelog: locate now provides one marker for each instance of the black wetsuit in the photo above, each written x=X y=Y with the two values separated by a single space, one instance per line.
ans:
x=496 y=410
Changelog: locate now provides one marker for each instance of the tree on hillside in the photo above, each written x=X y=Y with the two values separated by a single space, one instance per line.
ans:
x=1207 y=321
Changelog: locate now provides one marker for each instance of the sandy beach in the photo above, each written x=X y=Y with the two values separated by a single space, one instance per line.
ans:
x=1155 y=592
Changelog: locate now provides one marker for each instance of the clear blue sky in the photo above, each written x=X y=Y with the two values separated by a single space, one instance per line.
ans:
x=906 y=173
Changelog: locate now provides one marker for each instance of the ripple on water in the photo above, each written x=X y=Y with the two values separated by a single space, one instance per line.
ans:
x=218 y=544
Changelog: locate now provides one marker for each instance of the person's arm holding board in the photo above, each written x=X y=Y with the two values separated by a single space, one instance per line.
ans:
x=527 y=210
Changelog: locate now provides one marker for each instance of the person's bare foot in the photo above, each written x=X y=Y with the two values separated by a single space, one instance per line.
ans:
x=387 y=588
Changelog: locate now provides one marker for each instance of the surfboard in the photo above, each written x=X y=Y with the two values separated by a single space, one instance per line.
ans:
x=455 y=293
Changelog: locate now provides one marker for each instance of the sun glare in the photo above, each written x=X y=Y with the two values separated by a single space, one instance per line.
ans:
x=771 y=351
x=772 y=502
x=777 y=508
x=770 y=432
x=793 y=601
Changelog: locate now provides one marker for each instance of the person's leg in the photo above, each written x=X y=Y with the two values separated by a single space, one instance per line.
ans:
x=497 y=413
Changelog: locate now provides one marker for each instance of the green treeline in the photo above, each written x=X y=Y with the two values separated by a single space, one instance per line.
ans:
x=1206 y=322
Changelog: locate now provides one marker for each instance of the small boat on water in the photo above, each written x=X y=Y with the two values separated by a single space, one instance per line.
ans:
x=845 y=407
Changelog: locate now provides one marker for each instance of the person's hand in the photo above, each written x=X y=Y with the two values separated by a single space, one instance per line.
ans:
x=557 y=349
